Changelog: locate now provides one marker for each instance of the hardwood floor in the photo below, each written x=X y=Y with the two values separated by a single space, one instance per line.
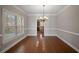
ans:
x=50 y=44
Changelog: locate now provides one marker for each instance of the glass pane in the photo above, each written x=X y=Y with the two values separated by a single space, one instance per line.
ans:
x=18 y=25
x=22 y=25
x=10 y=25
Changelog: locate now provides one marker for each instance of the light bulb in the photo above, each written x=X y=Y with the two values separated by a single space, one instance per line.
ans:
x=45 y=17
x=41 y=18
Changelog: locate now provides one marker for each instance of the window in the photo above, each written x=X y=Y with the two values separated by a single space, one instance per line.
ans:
x=13 y=25
x=9 y=26
x=20 y=25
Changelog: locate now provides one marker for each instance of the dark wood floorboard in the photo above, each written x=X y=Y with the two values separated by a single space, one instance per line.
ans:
x=51 y=44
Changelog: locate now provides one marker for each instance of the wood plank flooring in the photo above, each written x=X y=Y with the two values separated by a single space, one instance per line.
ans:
x=49 y=44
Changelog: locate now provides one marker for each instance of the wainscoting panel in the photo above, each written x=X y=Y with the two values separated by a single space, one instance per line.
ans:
x=71 y=38
x=11 y=43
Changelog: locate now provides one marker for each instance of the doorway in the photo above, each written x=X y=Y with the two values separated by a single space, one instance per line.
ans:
x=40 y=28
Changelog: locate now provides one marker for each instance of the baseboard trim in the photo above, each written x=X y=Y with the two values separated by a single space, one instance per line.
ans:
x=51 y=35
x=45 y=34
x=68 y=43
x=7 y=48
x=31 y=34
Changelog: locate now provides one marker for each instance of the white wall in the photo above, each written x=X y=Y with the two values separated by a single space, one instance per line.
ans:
x=16 y=39
x=65 y=25
x=0 y=29
x=68 y=26
x=32 y=25
x=50 y=24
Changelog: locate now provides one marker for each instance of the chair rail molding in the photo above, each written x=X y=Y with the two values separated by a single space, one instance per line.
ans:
x=77 y=34
x=75 y=48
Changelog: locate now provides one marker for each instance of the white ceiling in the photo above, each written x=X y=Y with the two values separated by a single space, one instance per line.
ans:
x=38 y=9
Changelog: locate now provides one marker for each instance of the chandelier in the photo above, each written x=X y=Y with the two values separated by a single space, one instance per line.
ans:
x=43 y=18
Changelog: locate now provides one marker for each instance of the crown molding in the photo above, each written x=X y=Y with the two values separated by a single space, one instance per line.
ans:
x=65 y=8
x=62 y=10
x=70 y=32
x=33 y=14
x=41 y=14
x=20 y=9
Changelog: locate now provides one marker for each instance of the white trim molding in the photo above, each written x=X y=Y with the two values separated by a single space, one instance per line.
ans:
x=32 y=34
x=31 y=14
x=20 y=9
x=68 y=43
x=65 y=8
x=13 y=44
x=73 y=33
x=77 y=34
x=50 y=34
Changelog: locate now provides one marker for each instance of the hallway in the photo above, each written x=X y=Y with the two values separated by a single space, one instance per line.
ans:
x=50 y=44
